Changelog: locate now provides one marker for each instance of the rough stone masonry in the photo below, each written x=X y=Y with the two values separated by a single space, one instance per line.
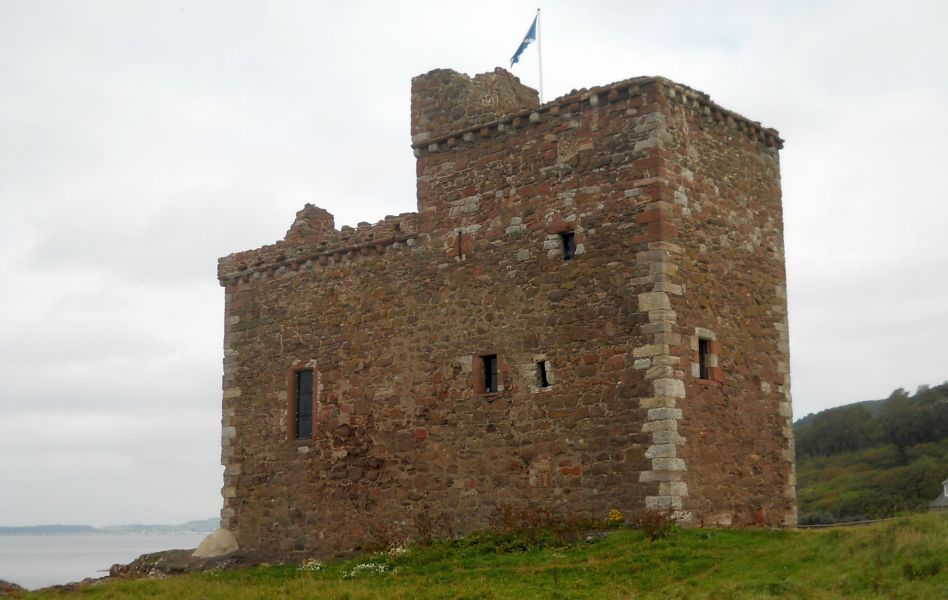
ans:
x=588 y=311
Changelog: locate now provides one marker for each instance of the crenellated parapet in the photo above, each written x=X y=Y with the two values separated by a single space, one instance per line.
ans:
x=460 y=132
x=312 y=242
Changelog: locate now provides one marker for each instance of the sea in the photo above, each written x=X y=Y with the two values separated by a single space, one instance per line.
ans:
x=36 y=561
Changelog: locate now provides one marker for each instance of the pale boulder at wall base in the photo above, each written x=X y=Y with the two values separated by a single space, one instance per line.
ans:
x=217 y=543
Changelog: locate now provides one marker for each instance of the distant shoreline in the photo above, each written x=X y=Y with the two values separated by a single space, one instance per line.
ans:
x=36 y=561
x=202 y=526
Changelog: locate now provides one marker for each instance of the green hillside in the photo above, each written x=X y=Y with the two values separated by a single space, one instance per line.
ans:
x=906 y=558
x=873 y=459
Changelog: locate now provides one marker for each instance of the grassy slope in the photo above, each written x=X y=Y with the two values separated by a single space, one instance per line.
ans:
x=871 y=483
x=873 y=459
x=907 y=558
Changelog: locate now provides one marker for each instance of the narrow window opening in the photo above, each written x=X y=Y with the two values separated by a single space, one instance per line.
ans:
x=303 y=405
x=541 y=372
x=569 y=245
x=490 y=373
x=704 y=349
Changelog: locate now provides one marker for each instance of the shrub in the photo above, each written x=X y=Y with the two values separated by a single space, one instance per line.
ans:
x=536 y=526
x=656 y=523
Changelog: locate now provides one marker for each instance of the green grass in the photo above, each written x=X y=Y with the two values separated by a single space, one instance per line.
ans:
x=905 y=558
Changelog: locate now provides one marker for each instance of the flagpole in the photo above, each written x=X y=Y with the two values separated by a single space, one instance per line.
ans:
x=540 y=55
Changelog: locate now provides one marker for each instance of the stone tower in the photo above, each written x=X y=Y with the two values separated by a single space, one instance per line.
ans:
x=588 y=311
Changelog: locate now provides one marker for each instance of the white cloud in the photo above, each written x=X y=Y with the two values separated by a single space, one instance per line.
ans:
x=139 y=142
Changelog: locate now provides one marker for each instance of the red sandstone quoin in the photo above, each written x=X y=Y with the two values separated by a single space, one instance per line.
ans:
x=588 y=311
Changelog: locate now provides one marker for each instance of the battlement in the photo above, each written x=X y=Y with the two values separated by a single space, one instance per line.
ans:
x=313 y=241
x=451 y=111
x=458 y=130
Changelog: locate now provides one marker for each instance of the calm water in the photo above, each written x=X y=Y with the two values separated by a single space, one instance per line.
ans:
x=36 y=561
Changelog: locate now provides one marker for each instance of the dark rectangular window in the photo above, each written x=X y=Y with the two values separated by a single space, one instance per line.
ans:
x=541 y=373
x=490 y=373
x=569 y=245
x=704 y=349
x=303 y=405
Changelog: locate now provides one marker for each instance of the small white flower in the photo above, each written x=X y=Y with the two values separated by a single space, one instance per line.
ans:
x=311 y=564
x=367 y=568
x=397 y=550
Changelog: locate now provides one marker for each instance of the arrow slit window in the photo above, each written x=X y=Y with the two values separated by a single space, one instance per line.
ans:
x=303 y=399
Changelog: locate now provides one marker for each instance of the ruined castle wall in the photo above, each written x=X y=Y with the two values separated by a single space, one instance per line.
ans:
x=401 y=426
x=313 y=239
x=395 y=335
x=444 y=101
x=674 y=208
x=723 y=202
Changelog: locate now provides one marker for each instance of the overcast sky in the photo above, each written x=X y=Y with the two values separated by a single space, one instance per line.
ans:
x=139 y=141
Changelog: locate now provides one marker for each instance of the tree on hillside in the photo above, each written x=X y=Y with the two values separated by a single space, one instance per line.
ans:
x=902 y=428
x=908 y=421
x=873 y=459
x=844 y=429
x=902 y=420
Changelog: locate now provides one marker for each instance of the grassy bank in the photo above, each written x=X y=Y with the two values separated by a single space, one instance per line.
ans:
x=905 y=558
x=875 y=459
x=871 y=483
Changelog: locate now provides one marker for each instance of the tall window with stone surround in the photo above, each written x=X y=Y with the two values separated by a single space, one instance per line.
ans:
x=542 y=376
x=704 y=351
x=490 y=373
x=568 y=239
x=303 y=404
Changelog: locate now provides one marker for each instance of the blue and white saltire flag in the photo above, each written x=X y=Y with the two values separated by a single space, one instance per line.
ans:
x=527 y=40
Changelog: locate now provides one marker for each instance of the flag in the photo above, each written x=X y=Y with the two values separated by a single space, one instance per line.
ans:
x=527 y=40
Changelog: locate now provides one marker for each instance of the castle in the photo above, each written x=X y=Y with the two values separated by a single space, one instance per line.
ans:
x=587 y=311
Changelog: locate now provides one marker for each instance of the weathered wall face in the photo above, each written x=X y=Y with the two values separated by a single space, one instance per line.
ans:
x=445 y=101
x=394 y=318
x=724 y=195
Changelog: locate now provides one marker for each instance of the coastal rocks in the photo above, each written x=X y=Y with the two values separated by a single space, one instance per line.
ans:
x=217 y=543
x=159 y=565
x=8 y=589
